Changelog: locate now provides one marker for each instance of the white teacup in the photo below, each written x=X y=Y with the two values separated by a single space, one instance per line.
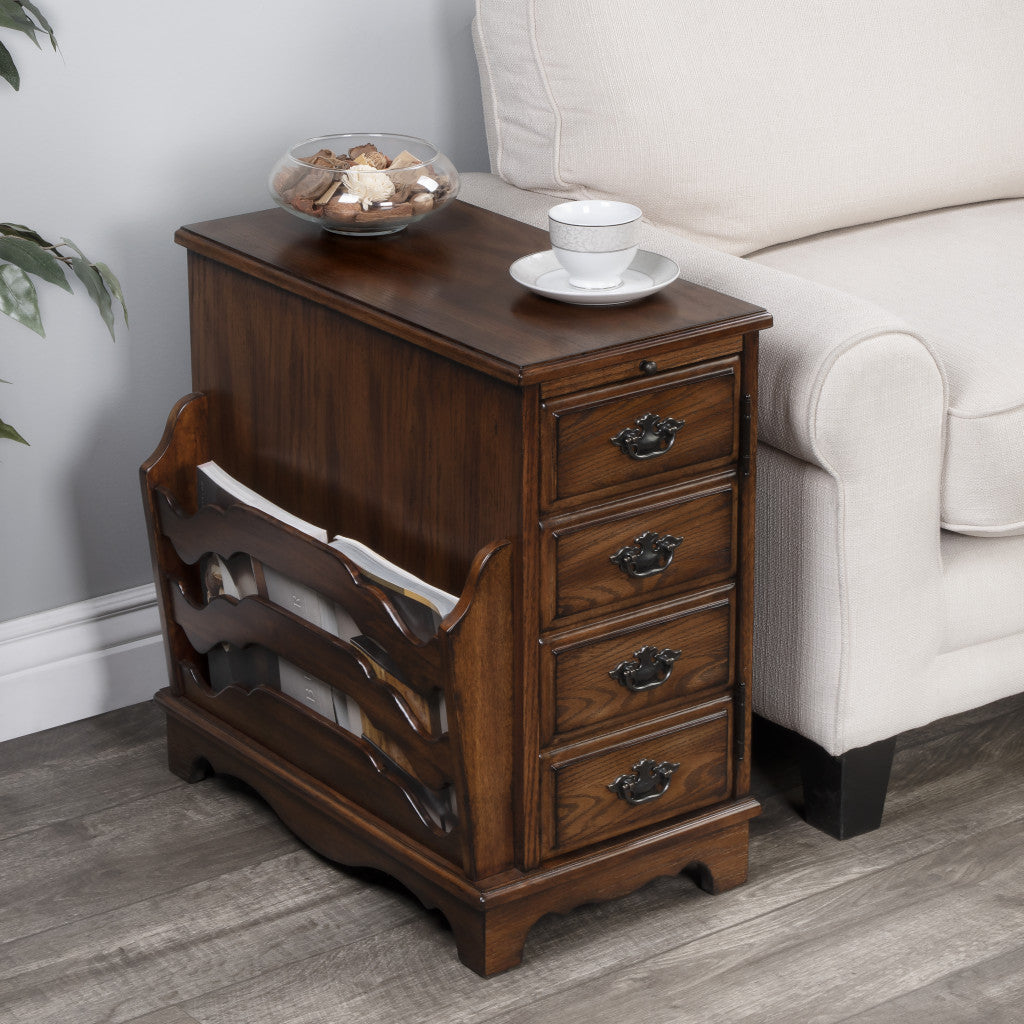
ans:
x=595 y=240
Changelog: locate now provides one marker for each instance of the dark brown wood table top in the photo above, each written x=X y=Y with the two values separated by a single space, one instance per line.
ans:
x=444 y=284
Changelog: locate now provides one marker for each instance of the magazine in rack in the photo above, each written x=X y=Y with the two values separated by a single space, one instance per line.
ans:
x=242 y=576
x=421 y=606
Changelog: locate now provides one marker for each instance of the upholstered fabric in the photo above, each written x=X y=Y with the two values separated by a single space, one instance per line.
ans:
x=850 y=650
x=957 y=276
x=982 y=589
x=746 y=124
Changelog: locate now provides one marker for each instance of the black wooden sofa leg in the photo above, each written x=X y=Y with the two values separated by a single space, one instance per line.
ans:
x=845 y=795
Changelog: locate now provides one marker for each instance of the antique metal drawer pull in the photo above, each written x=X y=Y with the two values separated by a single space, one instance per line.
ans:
x=647 y=781
x=652 y=436
x=649 y=554
x=648 y=669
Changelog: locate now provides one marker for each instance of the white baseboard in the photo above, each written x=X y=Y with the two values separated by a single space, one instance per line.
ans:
x=80 y=660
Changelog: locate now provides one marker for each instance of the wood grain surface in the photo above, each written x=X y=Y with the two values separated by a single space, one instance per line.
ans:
x=580 y=807
x=129 y=896
x=432 y=287
x=586 y=581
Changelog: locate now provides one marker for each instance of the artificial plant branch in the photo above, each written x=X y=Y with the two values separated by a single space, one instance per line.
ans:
x=24 y=253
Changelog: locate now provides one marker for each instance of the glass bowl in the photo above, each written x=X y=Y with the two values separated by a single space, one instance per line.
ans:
x=373 y=184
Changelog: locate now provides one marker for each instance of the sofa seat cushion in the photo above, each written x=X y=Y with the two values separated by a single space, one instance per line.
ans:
x=745 y=124
x=956 y=276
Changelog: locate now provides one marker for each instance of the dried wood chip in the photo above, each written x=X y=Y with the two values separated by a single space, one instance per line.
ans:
x=334 y=186
x=404 y=159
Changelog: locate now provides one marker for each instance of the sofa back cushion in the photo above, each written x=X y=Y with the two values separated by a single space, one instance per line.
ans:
x=752 y=122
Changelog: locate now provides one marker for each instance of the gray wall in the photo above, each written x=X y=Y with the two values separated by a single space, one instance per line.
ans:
x=156 y=115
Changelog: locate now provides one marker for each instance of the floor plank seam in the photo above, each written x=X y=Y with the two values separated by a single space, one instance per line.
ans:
x=125 y=907
x=99 y=809
x=977 y=1014
x=237 y=982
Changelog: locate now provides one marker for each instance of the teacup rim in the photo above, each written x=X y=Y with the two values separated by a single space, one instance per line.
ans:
x=634 y=216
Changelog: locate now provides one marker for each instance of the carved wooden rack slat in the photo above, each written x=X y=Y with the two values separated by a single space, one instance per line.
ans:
x=334 y=661
x=354 y=768
x=237 y=528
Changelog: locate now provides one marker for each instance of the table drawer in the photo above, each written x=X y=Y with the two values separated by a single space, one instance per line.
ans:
x=639 y=667
x=618 y=436
x=621 y=556
x=596 y=795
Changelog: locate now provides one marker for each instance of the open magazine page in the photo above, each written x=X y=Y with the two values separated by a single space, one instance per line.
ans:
x=218 y=487
x=421 y=605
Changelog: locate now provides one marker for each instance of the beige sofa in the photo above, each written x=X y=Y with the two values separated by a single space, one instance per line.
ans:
x=859 y=175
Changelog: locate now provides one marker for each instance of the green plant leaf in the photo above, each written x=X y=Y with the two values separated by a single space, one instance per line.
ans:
x=13 y=16
x=71 y=245
x=10 y=434
x=8 y=69
x=21 y=231
x=96 y=283
x=90 y=277
x=43 y=23
x=34 y=259
x=114 y=287
x=18 y=298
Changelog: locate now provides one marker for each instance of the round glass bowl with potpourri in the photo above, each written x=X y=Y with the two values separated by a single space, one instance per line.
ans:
x=363 y=184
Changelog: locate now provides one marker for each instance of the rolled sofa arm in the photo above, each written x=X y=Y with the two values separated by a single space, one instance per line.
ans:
x=849 y=606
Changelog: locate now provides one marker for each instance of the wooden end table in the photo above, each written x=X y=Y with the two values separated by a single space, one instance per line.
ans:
x=583 y=479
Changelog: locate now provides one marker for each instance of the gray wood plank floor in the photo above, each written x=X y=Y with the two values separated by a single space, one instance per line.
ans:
x=129 y=896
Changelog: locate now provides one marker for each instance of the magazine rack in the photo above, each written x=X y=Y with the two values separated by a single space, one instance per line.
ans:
x=436 y=830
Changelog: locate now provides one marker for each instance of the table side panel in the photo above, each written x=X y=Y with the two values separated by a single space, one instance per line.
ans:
x=354 y=429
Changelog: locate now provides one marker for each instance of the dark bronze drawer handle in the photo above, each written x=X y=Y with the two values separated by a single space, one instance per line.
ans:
x=649 y=554
x=648 y=669
x=652 y=436
x=647 y=781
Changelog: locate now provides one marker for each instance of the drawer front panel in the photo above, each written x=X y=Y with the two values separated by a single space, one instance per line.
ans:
x=638 y=783
x=619 y=436
x=640 y=554
x=630 y=673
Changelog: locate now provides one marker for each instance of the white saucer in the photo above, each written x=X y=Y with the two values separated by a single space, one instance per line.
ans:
x=542 y=273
